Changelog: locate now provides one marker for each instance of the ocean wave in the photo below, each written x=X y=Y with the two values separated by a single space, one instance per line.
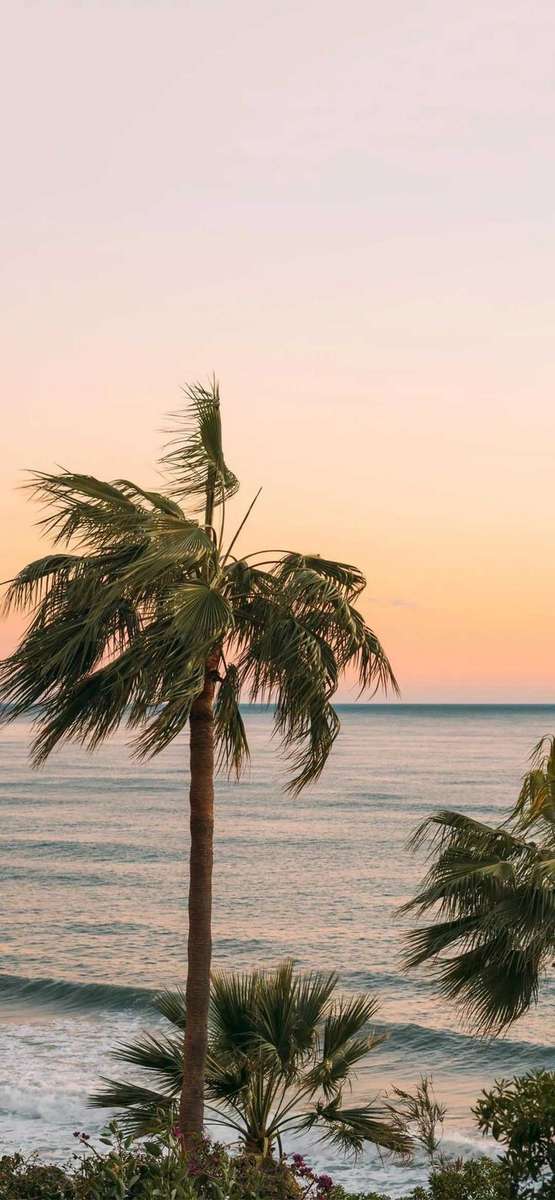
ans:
x=64 y=993
x=101 y=851
x=463 y=1051
x=435 y=1046
x=35 y=1103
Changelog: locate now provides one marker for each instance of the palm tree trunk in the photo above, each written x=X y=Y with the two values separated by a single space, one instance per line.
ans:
x=199 y=949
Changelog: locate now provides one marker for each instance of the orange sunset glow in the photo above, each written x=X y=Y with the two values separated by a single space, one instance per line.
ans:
x=361 y=265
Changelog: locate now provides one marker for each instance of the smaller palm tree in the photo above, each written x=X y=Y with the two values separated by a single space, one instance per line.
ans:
x=281 y=1052
x=491 y=890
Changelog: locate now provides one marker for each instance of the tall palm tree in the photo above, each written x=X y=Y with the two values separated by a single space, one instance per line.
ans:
x=492 y=890
x=147 y=615
x=281 y=1050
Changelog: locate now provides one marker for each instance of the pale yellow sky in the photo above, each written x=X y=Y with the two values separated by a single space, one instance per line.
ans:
x=346 y=211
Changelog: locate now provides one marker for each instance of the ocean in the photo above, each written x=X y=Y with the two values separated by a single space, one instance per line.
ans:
x=94 y=876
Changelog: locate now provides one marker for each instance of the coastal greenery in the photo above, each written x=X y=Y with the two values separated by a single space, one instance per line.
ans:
x=128 y=1173
x=491 y=889
x=519 y=1114
x=146 y=614
x=282 y=1050
x=154 y=1172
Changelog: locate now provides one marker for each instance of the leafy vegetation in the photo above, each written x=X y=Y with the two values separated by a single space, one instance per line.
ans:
x=492 y=891
x=470 y=1179
x=281 y=1051
x=156 y=1170
x=520 y=1115
x=424 y=1114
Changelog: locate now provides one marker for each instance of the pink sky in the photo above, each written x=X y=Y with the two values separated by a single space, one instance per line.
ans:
x=346 y=211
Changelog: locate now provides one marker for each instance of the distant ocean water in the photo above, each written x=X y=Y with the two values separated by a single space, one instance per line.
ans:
x=93 y=872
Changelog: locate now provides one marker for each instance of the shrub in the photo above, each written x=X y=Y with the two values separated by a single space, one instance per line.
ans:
x=520 y=1115
x=471 y=1179
x=157 y=1170
x=27 y=1179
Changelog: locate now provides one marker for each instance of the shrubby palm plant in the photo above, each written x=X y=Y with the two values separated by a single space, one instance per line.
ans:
x=147 y=615
x=492 y=889
x=281 y=1050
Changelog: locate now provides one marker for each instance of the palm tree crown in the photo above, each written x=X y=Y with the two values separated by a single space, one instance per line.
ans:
x=123 y=626
x=492 y=889
x=281 y=1050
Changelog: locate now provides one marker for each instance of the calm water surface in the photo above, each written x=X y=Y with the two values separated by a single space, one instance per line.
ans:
x=93 y=870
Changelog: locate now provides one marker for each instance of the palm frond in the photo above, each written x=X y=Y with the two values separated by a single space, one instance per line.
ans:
x=141 y=1111
x=157 y=1053
x=57 y=656
x=349 y=1129
x=426 y=942
x=314 y=993
x=86 y=510
x=229 y=727
x=200 y=613
x=329 y=1075
x=278 y=1023
x=445 y=828
x=347 y=1020
x=157 y=501
x=173 y=715
x=348 y=578
x=232 y=1015
x=536 y=800
x=51 y=572
x=494 y=983
x=194 y=458
x=227 y=1079
x=491 y=890
x=171 y=1004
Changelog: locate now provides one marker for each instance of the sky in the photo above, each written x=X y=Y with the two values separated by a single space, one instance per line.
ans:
x=347 y=212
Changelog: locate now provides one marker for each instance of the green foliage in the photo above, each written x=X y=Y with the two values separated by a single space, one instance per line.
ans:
x=492 y=892
x=158 y=1170
x=141 y=595
x=28 y=1179
x=158 y=1173
x=339 y=1193
x=195 y=456
x=281 y=1051
x=471 y=1179
x=520 y=1115
x=155 y=1172
x=423 y=1111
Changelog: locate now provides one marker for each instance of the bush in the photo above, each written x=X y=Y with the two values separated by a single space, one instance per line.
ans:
x=121 y=1173
x=471 y=1179
x=520 y=1115
x=157 y=1170
x=27 y=1179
